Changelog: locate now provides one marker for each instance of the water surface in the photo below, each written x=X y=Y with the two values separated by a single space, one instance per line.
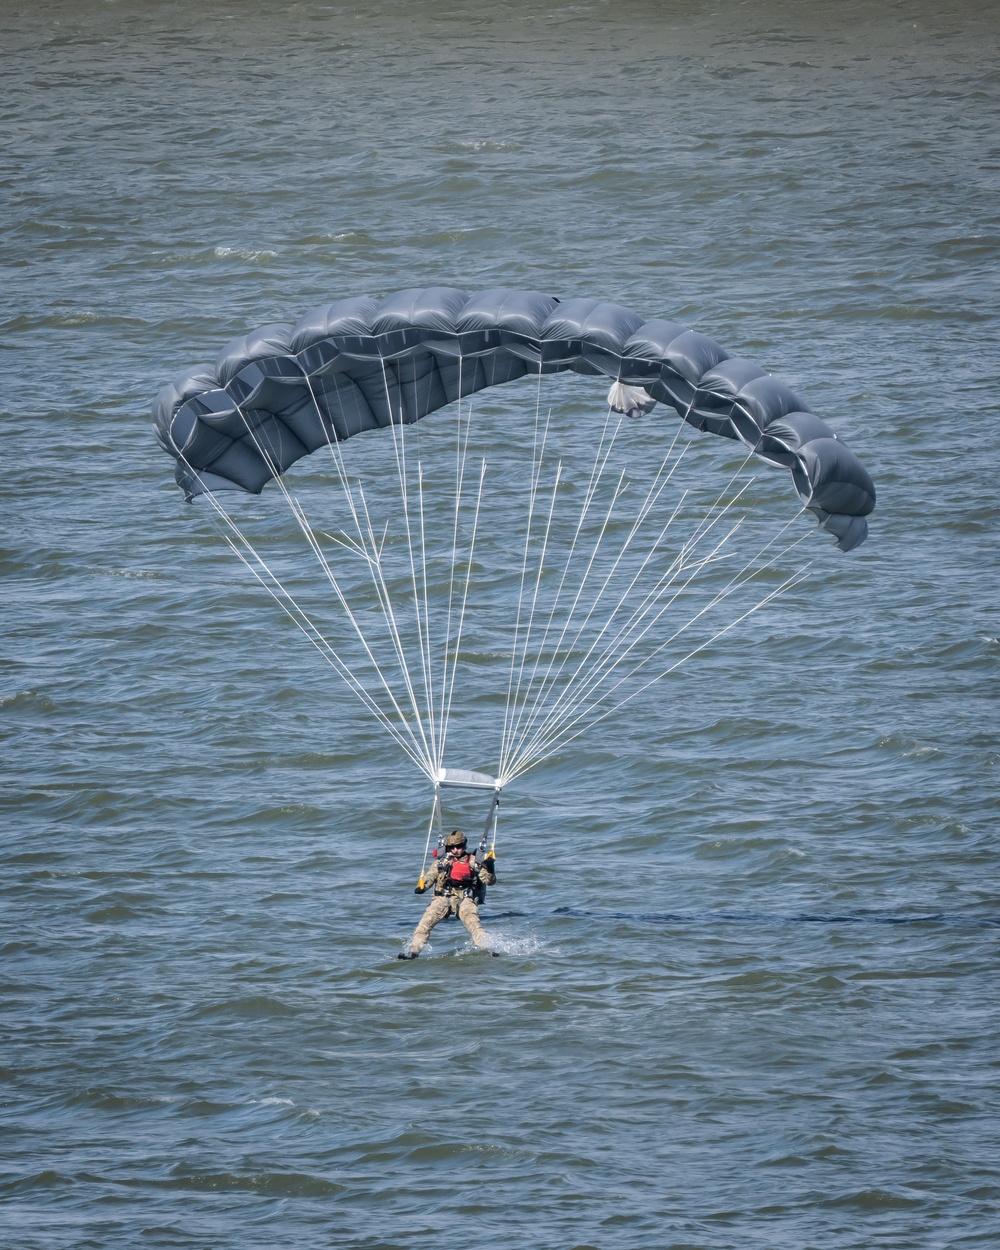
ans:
x=749 y=990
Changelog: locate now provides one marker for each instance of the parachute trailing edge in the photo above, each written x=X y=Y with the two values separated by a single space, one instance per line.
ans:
x=282 y=391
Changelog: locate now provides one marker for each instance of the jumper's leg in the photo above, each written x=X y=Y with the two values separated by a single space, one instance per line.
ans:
x=468 y=913
x=436 y=911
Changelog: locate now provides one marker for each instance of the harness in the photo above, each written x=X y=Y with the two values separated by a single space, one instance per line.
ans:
x=460 y=874
x=461 y=779
x=462 y=878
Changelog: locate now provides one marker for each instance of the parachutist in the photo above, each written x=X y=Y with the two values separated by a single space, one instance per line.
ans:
x=459 y=883
x=274 y=396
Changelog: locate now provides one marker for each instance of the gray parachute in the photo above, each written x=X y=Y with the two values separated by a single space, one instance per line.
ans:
x=283 y=391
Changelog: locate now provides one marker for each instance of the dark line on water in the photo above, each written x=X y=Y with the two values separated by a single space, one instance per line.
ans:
x=693 y=918
x=750 y=917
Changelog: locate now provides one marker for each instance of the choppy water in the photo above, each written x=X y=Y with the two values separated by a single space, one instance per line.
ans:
x=749 y=998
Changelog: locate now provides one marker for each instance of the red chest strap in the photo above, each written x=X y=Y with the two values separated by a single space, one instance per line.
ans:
x=460 y=873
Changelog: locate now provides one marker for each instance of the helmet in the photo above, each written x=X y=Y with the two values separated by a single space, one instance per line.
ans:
x=455 y=838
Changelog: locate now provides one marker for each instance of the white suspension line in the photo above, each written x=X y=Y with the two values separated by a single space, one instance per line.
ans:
x=643 y=511
x=538 y=581
x=549 y=679
x=375 y=559
x=523 y=703
x=576 y=693
x=459 y=470
x=654 y=595
x=548 y=682
x=465 y=593
x=303 y=622
x=558 y=745
x=307 y=533
x=286 y=601
x=429 y=663
x=537 y=457
x=306 y=529
x=349 y=544
x=427 y=622
x=333 y=446
x=652 y=495
x=398 y=442
x=572 y=715
x=651 y=596
x=664 y=582
x=739 y=579
x=596 y=472
x=430 y=828
x=461 y=454
x=389 y=616
x=568 y=720
x=399 y=447
x=303 y=524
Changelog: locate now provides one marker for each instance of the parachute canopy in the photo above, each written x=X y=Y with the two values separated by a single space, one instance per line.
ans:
x=283 y=391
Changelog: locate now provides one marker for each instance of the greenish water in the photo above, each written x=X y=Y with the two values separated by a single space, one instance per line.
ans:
x=749 y=991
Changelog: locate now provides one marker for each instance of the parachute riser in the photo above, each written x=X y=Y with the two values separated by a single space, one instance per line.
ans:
x=436 y=822
x=436 y=825
x=492 y=821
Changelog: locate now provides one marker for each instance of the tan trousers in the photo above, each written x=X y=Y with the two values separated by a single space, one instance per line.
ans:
x=442 y=906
